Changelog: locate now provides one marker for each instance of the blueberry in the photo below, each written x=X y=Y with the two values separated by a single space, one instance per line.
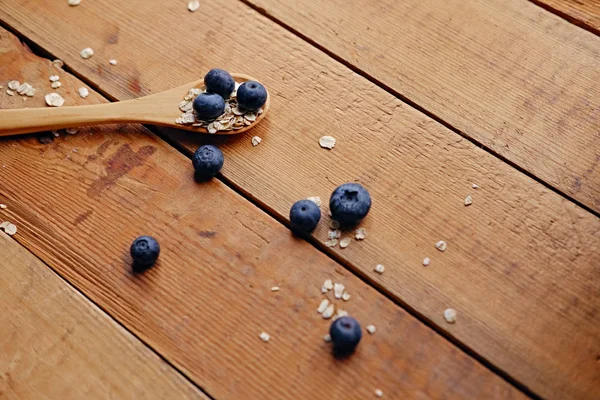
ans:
x=209 y=106
x=304 y=216
x=349 y=203
x=345 y=334
x=144 y=251
x=220 y=82
x=251 y=95
x=208 y=161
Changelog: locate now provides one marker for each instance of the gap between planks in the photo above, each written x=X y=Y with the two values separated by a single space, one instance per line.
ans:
x=567 y=17
x=43 y=53
x=414 y=105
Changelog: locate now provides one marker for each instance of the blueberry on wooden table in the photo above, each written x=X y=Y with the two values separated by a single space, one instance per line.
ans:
x=220 y=82
x=304 y=216
x=349 y=203
x=208 y=161
x=208 y=106
x=251 y=96
x=345 y=335
x=144 y=251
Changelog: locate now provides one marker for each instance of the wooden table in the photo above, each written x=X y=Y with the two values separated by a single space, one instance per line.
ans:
x=430 y=101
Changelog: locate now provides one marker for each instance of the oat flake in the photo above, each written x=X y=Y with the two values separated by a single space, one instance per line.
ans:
x=379 y=268
x=316 y=200
x=86 y=53
x=256 y=141
x=426 y=261
x=3 y=206
x=328 y=313
x=112 y=62
x=345 y=242
x=54 y=100
x=83 y=92
x=474 y=186
x=327 y=142
x=58 y=63
x=441 y=245
x=331 y=243
x=14 y=85
x=74 y=3
x=328 y=285
x=378 y=392
x=323 y=306
x=333 y=224
x=468 y=200
x=327 y=338
x=56 y=85
x=361 y=233
x=275 y=289
x=9 y=229
x=54 y=78
x=371 y=329
x=264 y=336
x=72 y=131
x=338 y=290
x=193 y=5
x=346 y=296
x=450 y=315
x=340 y=314
x=10 y=92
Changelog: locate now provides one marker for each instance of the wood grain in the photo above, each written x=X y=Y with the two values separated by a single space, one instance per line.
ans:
x=585 y=13
x=522 y=261
x=517 y=79
x=79 y=202
x=55 y=344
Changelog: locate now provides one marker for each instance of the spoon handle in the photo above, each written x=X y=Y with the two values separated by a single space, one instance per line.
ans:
x=28 y=120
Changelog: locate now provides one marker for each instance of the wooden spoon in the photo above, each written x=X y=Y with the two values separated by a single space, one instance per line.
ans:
x=157 y=109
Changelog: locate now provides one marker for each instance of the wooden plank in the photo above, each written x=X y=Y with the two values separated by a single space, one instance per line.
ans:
x=79 y=202
x=56 y=344
x=584 y=13
x=507 y=251
x=517 y=79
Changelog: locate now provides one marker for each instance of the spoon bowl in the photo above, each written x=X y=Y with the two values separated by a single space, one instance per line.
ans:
x=157 y=109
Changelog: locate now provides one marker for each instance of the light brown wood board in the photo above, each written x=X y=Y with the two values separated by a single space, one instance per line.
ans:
x=507 y=251
x=79 y=201
x=56 y=344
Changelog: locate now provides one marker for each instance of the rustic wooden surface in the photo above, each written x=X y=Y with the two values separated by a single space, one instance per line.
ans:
x=585 y=13
x=54 y=344
x=80 y=200
x=514 y=77
x=518 y=243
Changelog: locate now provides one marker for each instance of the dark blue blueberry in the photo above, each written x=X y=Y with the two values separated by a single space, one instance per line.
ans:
x=304 y=216
x=251 y=95
x=208 y=161
x=208 y=106
x=220 y=82
x=144 y=251
x=345 y=334
x=349 y=203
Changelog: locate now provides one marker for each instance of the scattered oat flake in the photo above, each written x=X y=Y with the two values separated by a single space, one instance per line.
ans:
x=74 y=3
x=83 y=92
x=72 y=131
x=468 y=200
x=327 y=338
x=345 y=242
x=256 y=140
x=9 y=228
x=3 y=206
x=275 y=289
x=441 y=245
x=450 y=315
x=323 y=306
x=264 y=336
x=327 y=142
x=346 y=296
x=54 y=78
x=474 y=186
x=112 y=61
x=316 y=200
x=331 y=243
x=333 y=224
x=193 y=5
x=14 y=85
x=328 y=285
x=340 y=314
x=56 y=85
x=361 y=233
x=58 y=63
x=338 y=290
x=378 y=392
x=426 y=261
x=24 y=88
x=371 y=329
x=379 y=268
x=30 y=92
x=86 y=53
x=328 y=313
x=54 y=100
x=10 y=92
